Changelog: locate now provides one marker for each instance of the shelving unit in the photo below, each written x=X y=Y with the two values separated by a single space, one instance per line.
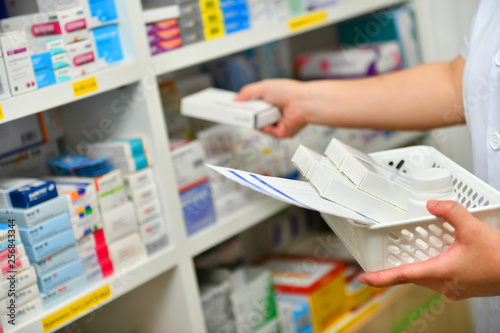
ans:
x=168 y=278
x=201 y=52
x=119 y=285
x=54 y=96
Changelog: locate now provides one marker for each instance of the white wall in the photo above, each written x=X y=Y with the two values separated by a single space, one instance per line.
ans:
x=442 y=26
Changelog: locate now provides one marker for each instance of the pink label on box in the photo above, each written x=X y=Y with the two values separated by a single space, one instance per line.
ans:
x=83 y=59
x=4 y=255
x=46 y=29
x=75 y=25
x=9 y=53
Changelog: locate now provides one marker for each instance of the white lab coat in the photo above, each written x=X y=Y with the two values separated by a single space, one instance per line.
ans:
x=482 y=110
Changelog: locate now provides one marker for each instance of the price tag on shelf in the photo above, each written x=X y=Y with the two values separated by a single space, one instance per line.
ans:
x=1 y=113
x=86 y=86
x=69 y=312
x=308 y=21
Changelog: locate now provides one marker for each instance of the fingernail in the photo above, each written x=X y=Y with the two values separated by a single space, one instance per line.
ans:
x=432 y=203
x=362 y=280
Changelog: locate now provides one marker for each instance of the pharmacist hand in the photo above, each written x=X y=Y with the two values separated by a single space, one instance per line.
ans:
x=470 y=267
x=285 y=94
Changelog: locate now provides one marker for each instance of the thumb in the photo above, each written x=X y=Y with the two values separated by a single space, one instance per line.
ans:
x=453 y=212
x=253 y=90
x=409 y=273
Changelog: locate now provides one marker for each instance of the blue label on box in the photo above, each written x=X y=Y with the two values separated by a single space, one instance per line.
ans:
x=41 y=61
x=108 y=45
x=45 y=77
x=34 y=215
x=104 y=10
x=136 y=146
x=198 y=207
x=33 y=194
x=33 y=235
x=60 y=275
x=49 y=246
x=238 y=24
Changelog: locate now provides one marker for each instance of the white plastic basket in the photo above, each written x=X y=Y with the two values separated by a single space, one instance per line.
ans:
x=394 y=244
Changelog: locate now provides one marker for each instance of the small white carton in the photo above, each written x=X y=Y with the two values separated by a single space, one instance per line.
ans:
x=126 y=251
x=218 y=105
x=18 y=62
x=376 y=181
x=342 y=191
x=337 y=152
x=304 y=158
x=73 y=22
x=119 y=222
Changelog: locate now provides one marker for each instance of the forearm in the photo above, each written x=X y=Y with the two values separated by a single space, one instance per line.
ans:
x=419 y=98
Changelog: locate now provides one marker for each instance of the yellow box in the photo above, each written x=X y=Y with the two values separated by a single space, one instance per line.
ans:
x=214 y=31
x=317 y=284
x=207 y=5
x=357 y=293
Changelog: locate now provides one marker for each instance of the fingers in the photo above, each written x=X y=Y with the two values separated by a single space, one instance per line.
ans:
x=250 y=91
x=410 y=273
x=454 y=213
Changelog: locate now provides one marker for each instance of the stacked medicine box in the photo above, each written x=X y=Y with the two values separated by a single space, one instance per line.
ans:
x=60 y=42
x=86 y=223
x=132 y=158
x=190 y=22
x=162 y=26
x=19 y=293
x=236 y=15
x=119 y=224
x=44 y=226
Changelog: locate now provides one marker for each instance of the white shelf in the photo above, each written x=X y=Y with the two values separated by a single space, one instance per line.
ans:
x=204 y=51
x=53 y=96
x=246 y=217
x=120 y=283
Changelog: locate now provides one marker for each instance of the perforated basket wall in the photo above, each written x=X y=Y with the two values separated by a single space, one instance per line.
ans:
x=397 y=243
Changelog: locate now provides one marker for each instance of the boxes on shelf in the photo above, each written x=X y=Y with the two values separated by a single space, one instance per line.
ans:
x=108 y=44
x=119 y=222
x=215 y=300
x=31 y=216
x=318 y=285
x=18 y=63
x=193 y=184
x=398 y=25
x=154 y=235
x=128 y=155
x=63 y=291
x=253 y=300
x=74 y=25
x=22 y=314
x=350 y=62
x=126 y=252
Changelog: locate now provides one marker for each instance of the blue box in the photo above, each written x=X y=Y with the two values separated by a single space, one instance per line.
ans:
x=104 y=10
x=44 y=230
x=63 y=291
x=235 y=12
x=41 y=61
x=45 y=77
x=60 y=275
x=32 y=216
x=31 y=195
x=238 y=24
x=108 y=45
x=49 y=246
x=198 y=207
x=57 y=260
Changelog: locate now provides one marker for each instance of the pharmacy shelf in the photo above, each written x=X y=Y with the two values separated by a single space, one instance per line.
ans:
x=395 y=140
x=120 y=283
x=353 y=321
x=46 y=98
x=248 y=216
x=204 y=51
